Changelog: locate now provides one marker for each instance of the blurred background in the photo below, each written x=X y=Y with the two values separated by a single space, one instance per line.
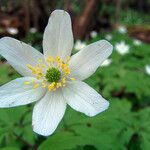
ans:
x=123 y=79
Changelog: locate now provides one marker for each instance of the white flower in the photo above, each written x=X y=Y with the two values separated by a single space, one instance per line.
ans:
x=122 y=29
x=122 y=48
x=137 y=42
x=147 y=69
x=108 y=37
x=53 y=80
x=12 y=31
x=33 y=30
x=79 y=45
x=107 y=62
x=93 y=34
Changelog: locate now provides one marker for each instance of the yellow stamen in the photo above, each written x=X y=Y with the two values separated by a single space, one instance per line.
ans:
x=43 y=66
x=38 y=71
x=36 y=86
x=44 y=85
x=64 y=80
x=57 y=58
x=27 y=83
x=30 y=67
x=33 y=81
x=40 y=60
x=58 y=85
x=72 y=79
x=51 y=86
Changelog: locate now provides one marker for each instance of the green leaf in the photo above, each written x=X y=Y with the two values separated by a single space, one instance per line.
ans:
x=62 y=141
x=9 y=148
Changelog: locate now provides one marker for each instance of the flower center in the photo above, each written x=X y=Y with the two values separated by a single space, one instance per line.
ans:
x=53 y=75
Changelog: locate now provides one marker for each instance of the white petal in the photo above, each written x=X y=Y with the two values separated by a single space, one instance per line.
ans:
x=84 y=63
x=84 y=99
x=58 y=38
x=16 y=93
x=19 y=54
x=48 y=112
x=147 y=69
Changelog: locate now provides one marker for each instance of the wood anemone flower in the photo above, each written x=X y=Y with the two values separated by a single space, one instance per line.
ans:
x=53 y=79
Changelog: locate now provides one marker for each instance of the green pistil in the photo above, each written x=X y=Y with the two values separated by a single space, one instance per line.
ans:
x=53 y=75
